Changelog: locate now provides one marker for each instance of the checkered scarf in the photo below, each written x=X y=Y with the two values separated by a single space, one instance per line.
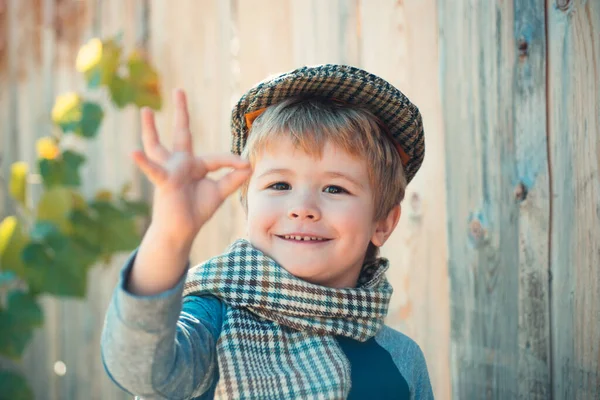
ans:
x=277 y=339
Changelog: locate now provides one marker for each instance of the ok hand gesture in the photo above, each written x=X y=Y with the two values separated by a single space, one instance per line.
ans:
x=184 y=197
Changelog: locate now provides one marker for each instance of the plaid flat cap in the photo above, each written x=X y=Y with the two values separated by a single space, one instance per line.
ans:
x=400 y=119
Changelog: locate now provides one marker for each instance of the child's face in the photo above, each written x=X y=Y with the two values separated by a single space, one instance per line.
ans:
x=294 y=194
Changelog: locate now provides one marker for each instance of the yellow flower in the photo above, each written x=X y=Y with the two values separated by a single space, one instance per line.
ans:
x=67 y=109
x=7 y=230
x=19 y=168
x=89 y=56
x=47 y=148
x=18 y=181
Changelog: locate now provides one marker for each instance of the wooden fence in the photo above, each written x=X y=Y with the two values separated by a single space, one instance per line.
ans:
x=496 y=261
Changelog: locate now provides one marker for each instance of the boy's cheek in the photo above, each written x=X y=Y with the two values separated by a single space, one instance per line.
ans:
x=263 y=208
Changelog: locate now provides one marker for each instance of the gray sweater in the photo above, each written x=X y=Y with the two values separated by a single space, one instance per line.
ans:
x=164 y=347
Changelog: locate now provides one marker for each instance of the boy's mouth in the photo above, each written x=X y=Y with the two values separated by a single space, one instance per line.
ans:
x=303 y=238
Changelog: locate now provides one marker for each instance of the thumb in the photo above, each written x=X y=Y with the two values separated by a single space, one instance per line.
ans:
x=233 y=180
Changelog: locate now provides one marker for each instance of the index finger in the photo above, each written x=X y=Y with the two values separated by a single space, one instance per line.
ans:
x=214 y=162
x=150 y=141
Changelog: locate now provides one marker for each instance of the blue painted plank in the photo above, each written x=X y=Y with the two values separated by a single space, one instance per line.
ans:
x=493 y=93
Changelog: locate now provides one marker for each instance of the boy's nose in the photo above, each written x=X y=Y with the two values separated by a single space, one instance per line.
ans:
x=302 y=212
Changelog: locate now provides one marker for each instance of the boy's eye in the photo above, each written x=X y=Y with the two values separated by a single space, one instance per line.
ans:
x=334 y=189
x=279 y=186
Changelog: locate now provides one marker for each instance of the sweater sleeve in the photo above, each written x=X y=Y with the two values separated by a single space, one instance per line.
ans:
x=422 y=384
x=409 y=360
x=158 y=346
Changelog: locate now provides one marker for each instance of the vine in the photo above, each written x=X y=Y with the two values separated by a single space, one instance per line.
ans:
x=49 y=247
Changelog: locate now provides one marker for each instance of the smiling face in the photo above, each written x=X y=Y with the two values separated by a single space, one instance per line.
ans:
x=313 y=215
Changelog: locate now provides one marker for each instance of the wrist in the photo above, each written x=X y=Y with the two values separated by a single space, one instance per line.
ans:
x=160 y=263
x=176 y=244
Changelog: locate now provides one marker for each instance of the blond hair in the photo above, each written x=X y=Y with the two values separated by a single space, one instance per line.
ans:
x=311 y=122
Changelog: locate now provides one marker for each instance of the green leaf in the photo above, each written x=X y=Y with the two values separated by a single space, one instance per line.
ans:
x=118 y=231
x=91 y=119
x=72 y=162
x=61 y=171
x=99 y=61
x=136 y=208
x=72 y=114
x=58 y=265
x=14 y=387
x=93 y=78
x=86 y=228
x=145 y=82
x=51 y=172
x=111 y=59
x=7 y=277
x=55 y=206
x=67 y=111
x=21 y=316
x=13 y=240
x=121 y=91
x=48 y=233
x=18 y=181
x=106 y=227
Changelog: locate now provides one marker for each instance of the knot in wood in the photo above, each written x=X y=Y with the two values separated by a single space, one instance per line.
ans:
x=520 y=192
x=476 y=231
x=563 y=5
x=523 y=47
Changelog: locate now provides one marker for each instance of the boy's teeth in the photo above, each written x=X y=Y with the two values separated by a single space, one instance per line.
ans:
x=305 y=238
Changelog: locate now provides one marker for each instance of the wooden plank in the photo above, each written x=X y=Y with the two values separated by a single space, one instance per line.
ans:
x=325 y=32
x=108 y=167
x=31 y=60
x=233 y=223
x=190 y=54
x=262 y=46
x=574 y=137
x=7 y=122
x=263 y=43
x=493 y=105
x=62 y=26
x=406 y=54
x=71 y=23
x=70 y=337
x=532 y=194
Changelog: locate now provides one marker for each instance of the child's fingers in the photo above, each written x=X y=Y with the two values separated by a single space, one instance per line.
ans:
x=182 y=137
x=155 y=173
x=233 y=180
x=214 y=162
x=150 y=141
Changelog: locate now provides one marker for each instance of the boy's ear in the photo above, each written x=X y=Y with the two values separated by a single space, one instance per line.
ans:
x=385 y=227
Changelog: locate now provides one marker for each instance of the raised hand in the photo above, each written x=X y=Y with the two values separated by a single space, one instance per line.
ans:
x=184 y=197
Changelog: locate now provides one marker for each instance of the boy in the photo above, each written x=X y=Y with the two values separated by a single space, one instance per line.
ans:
x=296 y=310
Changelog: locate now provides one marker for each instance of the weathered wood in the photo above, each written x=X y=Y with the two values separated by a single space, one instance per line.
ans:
x=189 y=44
x=108 y=167
x=531 y=190
x=494 y=116
x=406 y=54
x=71 y=334
x=31 y=52
x=7 y=120
x=509 y=190
x=258 y=50
x=325 y=32
x=574 y=137
x=261 y=49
